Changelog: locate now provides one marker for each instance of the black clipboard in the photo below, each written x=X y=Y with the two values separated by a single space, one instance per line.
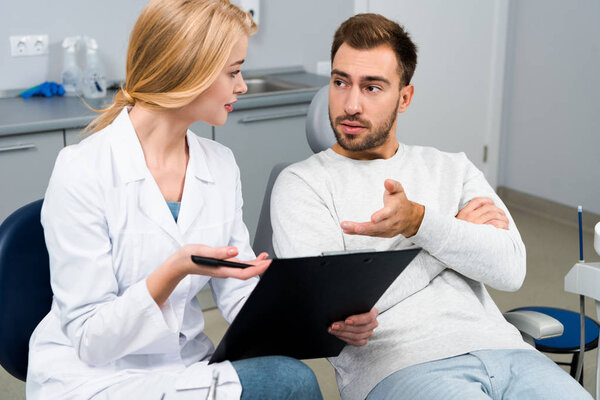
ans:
x=297 y=299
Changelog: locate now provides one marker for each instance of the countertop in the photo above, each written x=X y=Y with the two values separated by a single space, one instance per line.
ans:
x=39 y=114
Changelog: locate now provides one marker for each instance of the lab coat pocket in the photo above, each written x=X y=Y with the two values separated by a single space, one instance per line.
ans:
x=200 y=375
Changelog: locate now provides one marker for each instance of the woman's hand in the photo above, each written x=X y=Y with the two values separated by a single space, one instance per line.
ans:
x=260 y=264
x=165 y=278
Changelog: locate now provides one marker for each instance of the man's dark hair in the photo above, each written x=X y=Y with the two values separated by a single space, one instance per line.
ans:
x=367 y=31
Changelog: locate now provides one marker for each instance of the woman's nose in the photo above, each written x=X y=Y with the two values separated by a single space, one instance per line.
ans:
x=241 y=87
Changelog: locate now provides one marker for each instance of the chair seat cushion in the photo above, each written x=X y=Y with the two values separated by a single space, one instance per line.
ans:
x=568 y=342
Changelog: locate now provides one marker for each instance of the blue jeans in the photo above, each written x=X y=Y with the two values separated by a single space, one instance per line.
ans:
x=484 y=374
x=276 y=377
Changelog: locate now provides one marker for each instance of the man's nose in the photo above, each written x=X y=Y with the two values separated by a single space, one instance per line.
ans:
x=353 y=105
x=240 y=86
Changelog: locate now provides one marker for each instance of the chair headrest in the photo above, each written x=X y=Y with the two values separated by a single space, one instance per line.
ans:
x=319 y=133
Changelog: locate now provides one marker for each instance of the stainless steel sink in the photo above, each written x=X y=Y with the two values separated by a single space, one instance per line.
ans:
x=258 y=86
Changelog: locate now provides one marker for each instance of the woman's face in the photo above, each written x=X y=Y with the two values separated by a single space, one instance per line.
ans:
x=213 y=105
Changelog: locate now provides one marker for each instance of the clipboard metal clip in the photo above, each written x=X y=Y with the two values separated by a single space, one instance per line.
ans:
x=341 y=252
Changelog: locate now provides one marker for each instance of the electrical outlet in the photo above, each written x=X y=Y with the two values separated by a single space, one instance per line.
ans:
x=28 y=45
x=39 y=45
x=253 y=7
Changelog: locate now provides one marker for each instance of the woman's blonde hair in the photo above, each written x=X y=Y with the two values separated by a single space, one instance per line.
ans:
x=176 y=50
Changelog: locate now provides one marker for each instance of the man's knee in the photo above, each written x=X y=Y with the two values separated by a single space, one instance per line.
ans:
x=296 y=372
x=277 y=377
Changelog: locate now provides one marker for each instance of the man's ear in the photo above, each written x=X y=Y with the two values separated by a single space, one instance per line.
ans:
x=406 y=95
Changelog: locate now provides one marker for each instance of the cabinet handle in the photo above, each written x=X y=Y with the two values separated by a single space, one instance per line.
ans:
x=266 y=117
x=17 y=147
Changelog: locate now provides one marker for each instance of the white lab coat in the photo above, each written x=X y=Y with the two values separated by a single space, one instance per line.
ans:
x=107 y=227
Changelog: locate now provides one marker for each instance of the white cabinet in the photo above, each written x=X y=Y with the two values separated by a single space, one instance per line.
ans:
x=73 y=136
x=202 y=129
x=26 y=162
x=261 y=138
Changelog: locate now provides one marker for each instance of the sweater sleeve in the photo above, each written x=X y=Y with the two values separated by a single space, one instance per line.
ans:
x=302 y=223
x=495 y=257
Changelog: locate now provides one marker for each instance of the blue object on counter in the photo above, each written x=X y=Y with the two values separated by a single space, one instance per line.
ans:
x=47 y=89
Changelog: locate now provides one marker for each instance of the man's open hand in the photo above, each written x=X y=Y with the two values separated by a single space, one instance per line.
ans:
x=398 y=215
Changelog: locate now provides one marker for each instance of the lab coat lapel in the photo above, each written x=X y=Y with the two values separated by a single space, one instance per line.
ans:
x=197 y=178
x=131 y=167
x=154 y=206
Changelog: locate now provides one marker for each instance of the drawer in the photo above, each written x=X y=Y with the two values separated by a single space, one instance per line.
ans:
x=26 y=163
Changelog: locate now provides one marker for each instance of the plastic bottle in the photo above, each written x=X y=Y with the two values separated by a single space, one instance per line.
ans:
x=94 y=82
x=71 y=74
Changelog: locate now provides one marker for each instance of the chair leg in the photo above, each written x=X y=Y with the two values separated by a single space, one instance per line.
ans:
x=573 y=370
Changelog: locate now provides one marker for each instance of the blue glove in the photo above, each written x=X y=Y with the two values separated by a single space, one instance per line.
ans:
x=47 y=89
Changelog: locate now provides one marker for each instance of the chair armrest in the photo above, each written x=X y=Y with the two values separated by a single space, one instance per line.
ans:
x=535 y=324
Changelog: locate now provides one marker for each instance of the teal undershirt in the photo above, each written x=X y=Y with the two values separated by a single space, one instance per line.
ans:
x=174 y=208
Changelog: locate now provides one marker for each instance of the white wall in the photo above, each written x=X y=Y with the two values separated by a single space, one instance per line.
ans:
x=291 y=33
x=459 y=75
x=551 y=115
x=108 y=21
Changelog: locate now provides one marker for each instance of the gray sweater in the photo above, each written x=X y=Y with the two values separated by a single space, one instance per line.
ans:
x=438 y=307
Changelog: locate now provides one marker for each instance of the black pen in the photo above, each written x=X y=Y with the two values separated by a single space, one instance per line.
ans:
x=215 y=262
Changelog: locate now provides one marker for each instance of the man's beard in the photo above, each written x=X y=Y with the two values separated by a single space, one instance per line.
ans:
x=378 y=136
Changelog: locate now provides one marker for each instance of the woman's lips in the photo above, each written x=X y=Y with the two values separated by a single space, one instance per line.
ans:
x=229 y=106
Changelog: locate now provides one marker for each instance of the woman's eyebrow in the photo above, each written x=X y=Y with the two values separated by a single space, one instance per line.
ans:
x=240 y=62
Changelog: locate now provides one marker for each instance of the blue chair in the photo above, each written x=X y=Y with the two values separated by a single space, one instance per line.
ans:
x=25 y=292
x=568 y=342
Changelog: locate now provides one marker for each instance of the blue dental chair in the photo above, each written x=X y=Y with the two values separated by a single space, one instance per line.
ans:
x=25 y=292
x=568 y=342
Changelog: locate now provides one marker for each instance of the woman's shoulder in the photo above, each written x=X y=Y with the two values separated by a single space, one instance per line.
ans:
x=88 y=143
x=83 y=160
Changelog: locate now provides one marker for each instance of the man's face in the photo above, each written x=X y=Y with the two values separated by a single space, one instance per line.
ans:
x=364 y=100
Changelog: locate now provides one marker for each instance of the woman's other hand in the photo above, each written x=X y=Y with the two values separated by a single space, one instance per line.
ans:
x=165 y=278
x=259 y=264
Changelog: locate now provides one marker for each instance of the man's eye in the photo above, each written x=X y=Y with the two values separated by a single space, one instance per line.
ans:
x=373 y=89
x=339 y=83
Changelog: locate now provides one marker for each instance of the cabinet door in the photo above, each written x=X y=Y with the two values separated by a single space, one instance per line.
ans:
x=202 y=129
x=26 y=162
x=73 y=136
x=260 y=139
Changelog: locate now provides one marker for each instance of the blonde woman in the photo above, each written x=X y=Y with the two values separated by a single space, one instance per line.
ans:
x=127 y=207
